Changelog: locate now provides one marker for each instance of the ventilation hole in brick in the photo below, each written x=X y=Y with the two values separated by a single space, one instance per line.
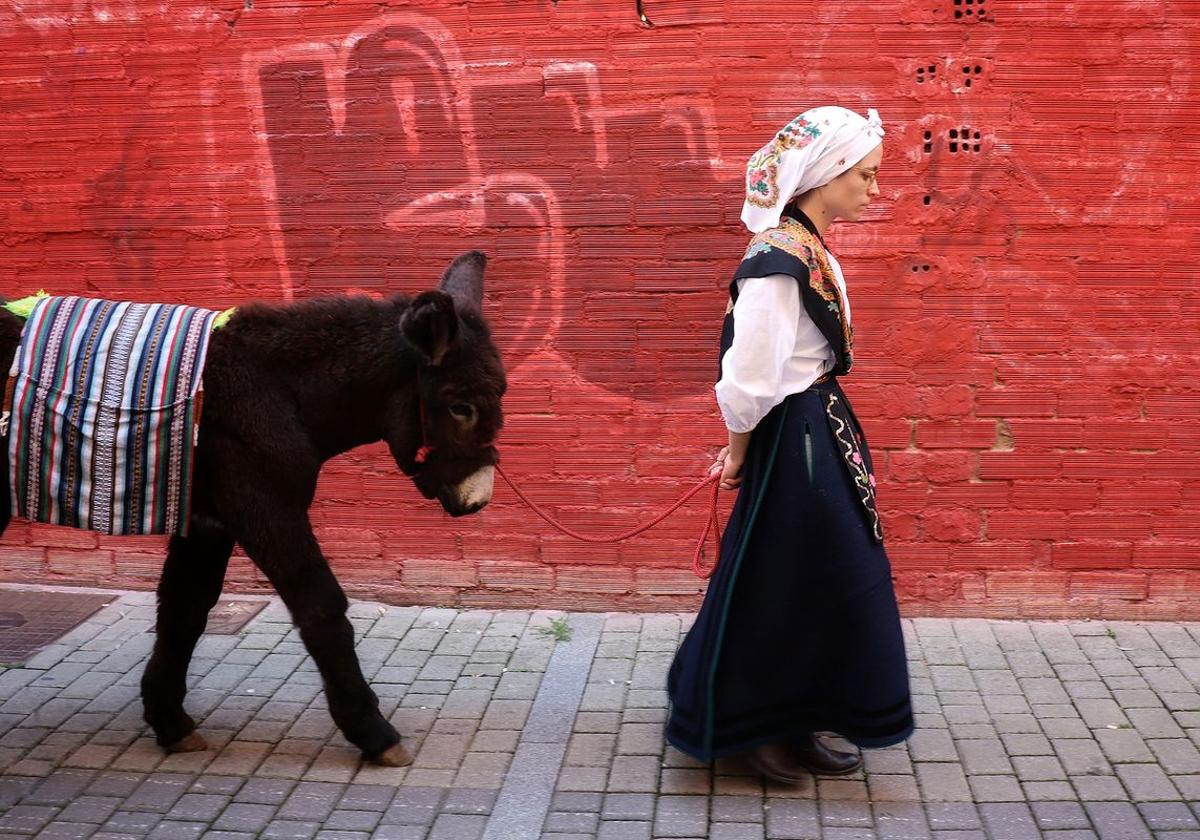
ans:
x=968 y=82
x=927 y=200
x=954 y=133
x=916 y=268
x=925 y=267
x=953 y=145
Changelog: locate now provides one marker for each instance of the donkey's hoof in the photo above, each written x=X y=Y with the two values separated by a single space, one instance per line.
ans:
x=395 y=756
x=188 y=743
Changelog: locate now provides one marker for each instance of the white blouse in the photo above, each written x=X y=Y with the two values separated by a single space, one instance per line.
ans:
x=777 y=350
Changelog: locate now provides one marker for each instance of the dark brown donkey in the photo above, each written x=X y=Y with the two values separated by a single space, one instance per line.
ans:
x=286 y=388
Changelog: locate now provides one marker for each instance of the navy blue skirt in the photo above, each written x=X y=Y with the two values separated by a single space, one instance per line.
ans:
x=799 y=630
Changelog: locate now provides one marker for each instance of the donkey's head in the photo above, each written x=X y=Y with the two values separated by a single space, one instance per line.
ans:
x=443 y=430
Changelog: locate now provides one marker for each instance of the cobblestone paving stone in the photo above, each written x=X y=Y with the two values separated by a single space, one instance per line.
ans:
x=1024 y=729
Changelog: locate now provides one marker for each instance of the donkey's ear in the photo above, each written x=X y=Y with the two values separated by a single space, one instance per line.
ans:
x=463 y=280
x=430 y=324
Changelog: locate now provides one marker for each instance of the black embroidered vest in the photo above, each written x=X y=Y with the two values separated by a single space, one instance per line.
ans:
x=795 y=249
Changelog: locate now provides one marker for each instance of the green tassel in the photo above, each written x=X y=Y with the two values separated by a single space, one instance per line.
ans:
x=23 y=308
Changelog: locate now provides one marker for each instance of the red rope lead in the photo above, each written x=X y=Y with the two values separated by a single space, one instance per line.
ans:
x=712 y=524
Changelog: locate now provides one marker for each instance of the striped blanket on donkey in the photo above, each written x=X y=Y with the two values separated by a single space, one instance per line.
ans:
x=104 y=400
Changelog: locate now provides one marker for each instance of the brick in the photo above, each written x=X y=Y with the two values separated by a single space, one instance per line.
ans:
x=952 y=525
x=501 y=574
x=1091 y=555
x=938 y=467
x=996 y=555
x=1026 y=584
x=987 y=494
x=1166 y=555
x=963 y=434
x=1015 y=402
x=1169 y=406
x=594 y=579
x=422 y=572
x=22 y=562
x=1101 y=525
x=1021 y=465
x=1090 y=402
x=666 y=582
x=1085 y=466
x=1026 y=525
x=48 y=536
x=1056 y=495
x=1140 y=495
x=565 y=550
x=82 y=564
x=499 y=547
x=1125 y=586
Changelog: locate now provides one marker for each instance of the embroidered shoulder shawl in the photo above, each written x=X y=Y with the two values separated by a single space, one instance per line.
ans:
x=793 y=249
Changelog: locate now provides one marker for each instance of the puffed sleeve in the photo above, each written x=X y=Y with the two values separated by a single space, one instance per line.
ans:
x=765 y=321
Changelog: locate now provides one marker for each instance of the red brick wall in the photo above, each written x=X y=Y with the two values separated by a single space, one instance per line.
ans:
x=1026 y=303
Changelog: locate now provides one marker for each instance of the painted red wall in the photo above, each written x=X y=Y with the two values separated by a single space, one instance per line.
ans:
x=1026 y=302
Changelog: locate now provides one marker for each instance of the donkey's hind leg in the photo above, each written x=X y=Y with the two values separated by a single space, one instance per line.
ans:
x=189 y=588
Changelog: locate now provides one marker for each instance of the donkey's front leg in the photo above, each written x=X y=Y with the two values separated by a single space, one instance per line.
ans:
x=287 y=552
x=189 y=587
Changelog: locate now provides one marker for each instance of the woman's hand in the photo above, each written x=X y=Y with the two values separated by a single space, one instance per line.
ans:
x=728 y=468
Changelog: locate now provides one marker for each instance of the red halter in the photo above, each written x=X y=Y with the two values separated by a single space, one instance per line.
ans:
x=426 y=447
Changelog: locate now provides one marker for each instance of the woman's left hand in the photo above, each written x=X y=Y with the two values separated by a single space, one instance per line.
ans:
x=730 y=472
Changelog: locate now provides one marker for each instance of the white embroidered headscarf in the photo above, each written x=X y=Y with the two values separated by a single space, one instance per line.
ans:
x=807 y=153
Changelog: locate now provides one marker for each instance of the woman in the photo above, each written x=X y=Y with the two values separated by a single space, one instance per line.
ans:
x=799 y=631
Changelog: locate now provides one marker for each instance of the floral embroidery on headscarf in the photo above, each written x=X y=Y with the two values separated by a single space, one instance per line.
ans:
x=763 y=169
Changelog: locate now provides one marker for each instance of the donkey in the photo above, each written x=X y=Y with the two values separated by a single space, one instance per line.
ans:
x=287 y=387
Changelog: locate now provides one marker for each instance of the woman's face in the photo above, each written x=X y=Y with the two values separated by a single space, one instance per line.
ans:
x=849 y=194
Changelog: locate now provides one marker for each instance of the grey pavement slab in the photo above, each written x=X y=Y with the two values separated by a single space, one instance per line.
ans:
x=1025 y=729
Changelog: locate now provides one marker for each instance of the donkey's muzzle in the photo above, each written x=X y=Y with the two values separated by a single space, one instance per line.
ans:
x=471 y=494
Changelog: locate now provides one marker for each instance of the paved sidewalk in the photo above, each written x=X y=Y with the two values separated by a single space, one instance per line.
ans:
x=1025 y=729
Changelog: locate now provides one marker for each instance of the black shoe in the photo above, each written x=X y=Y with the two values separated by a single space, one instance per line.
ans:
x=778 y=763
x=819 y=759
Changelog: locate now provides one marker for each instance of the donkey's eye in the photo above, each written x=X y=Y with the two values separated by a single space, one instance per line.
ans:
x=464 y=412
